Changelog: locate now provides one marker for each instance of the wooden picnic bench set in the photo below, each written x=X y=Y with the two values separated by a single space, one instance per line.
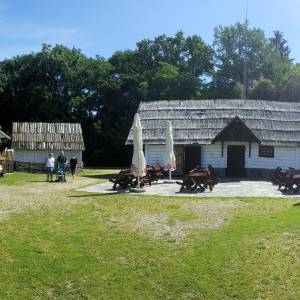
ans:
x=196 y=180
x=199 y=179
x=126 y=178
x=289 y=179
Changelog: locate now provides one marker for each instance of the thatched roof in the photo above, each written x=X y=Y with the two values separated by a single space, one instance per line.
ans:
x=3 y=135
x=47 y=136
x=200 y=121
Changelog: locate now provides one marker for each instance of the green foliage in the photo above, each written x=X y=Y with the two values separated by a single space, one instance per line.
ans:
x=238 y=90
x=58 y=84
x=190 y=55
x=265 y=58
x=230 y=44
x=263 y=89
x=166 y=82
x=290 y=91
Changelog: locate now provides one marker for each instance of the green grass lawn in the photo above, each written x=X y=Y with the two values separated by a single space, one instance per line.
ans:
x=56 y=243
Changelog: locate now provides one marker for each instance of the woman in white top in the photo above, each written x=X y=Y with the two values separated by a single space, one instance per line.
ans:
x=50 y=166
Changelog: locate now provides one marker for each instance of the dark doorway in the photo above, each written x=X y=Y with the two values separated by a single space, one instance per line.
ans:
x=192 y=158
x=236 y=161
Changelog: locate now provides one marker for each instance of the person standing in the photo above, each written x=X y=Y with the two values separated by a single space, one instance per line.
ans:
x=62 y=163
x=50 y=167
x=73 y=166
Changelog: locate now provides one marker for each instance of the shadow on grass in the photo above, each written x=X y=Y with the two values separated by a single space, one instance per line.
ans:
x=297 y=204
x=95 y=195
x=295 y=192
x=36 y=181
x=44 y=181
x=101 y=176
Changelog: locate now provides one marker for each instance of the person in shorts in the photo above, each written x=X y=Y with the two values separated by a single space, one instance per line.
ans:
x=73 y=166
x=50 y=167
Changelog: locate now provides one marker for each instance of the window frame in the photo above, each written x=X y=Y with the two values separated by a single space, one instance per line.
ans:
x=263 y=148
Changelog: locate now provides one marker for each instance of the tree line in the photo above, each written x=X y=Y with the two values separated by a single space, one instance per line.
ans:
x=59 y=84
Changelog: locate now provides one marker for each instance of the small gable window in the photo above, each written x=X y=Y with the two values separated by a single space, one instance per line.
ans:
x=266 y=151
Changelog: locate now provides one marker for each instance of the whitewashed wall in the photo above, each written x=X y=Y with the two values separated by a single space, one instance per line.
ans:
x=154 y=154
x=40 y=156
x=283 y=156
x=212 y=154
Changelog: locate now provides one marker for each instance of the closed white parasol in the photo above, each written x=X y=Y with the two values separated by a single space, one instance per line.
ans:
x=170 y=160
x=138 y=165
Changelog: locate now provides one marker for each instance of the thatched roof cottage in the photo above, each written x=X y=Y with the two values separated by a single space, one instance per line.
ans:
x=238 y=137
x=33 y=141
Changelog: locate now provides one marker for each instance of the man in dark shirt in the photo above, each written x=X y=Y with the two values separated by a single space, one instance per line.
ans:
x=62 y=162
x=73 y=166
x=62 y=158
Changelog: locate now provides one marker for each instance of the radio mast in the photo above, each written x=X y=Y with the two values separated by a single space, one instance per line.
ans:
x=245 y=54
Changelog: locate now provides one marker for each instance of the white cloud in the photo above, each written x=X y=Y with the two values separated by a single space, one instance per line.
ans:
x=24 y=37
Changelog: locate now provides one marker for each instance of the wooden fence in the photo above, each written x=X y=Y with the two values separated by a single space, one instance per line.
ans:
x=7 y=161
x=8 y=166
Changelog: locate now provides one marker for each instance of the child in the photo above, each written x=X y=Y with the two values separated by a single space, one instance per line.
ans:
x=73 y=166
x=50 y=167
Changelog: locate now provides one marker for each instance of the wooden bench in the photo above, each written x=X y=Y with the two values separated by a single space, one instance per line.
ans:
x=288 y=179
x=199 y=179
x=155 y=172
x=126 y=179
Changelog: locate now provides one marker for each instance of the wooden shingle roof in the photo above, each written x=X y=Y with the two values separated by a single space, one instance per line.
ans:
x=200 y=121
x=3 y=135
x=47 y=136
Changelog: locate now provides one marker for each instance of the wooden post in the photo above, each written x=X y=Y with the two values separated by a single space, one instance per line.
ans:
x=249 y=149
x=222 y=148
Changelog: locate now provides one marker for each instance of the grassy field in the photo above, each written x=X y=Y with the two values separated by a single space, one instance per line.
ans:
x=57 y=243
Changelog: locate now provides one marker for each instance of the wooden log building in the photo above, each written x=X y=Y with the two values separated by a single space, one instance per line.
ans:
x=238 y=137
x=33 y=142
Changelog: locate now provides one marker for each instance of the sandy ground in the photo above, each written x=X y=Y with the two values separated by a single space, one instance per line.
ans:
x=208 y=214
x=236 y=188
x=37 y=195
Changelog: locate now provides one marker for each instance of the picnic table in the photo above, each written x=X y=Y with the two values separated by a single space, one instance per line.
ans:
x=126 y=179
x=289 y=179
x=155 y=172
x=199 y=179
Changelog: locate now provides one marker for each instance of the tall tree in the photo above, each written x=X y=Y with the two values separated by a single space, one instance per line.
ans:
x=290 y=91
x=265 y=58
x=191 y=55
x=232 y=44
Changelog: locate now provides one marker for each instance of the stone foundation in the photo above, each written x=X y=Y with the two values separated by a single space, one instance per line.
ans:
x=29 y=167
x=262 y=174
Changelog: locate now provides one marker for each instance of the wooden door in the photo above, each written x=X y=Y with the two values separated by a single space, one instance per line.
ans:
x=236 y=161
x=192 y=157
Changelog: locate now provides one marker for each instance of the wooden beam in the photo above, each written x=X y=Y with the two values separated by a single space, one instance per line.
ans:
x=249 y=149
x=222 y=148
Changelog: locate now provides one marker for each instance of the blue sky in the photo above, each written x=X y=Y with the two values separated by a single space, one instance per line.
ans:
x=102 y=27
